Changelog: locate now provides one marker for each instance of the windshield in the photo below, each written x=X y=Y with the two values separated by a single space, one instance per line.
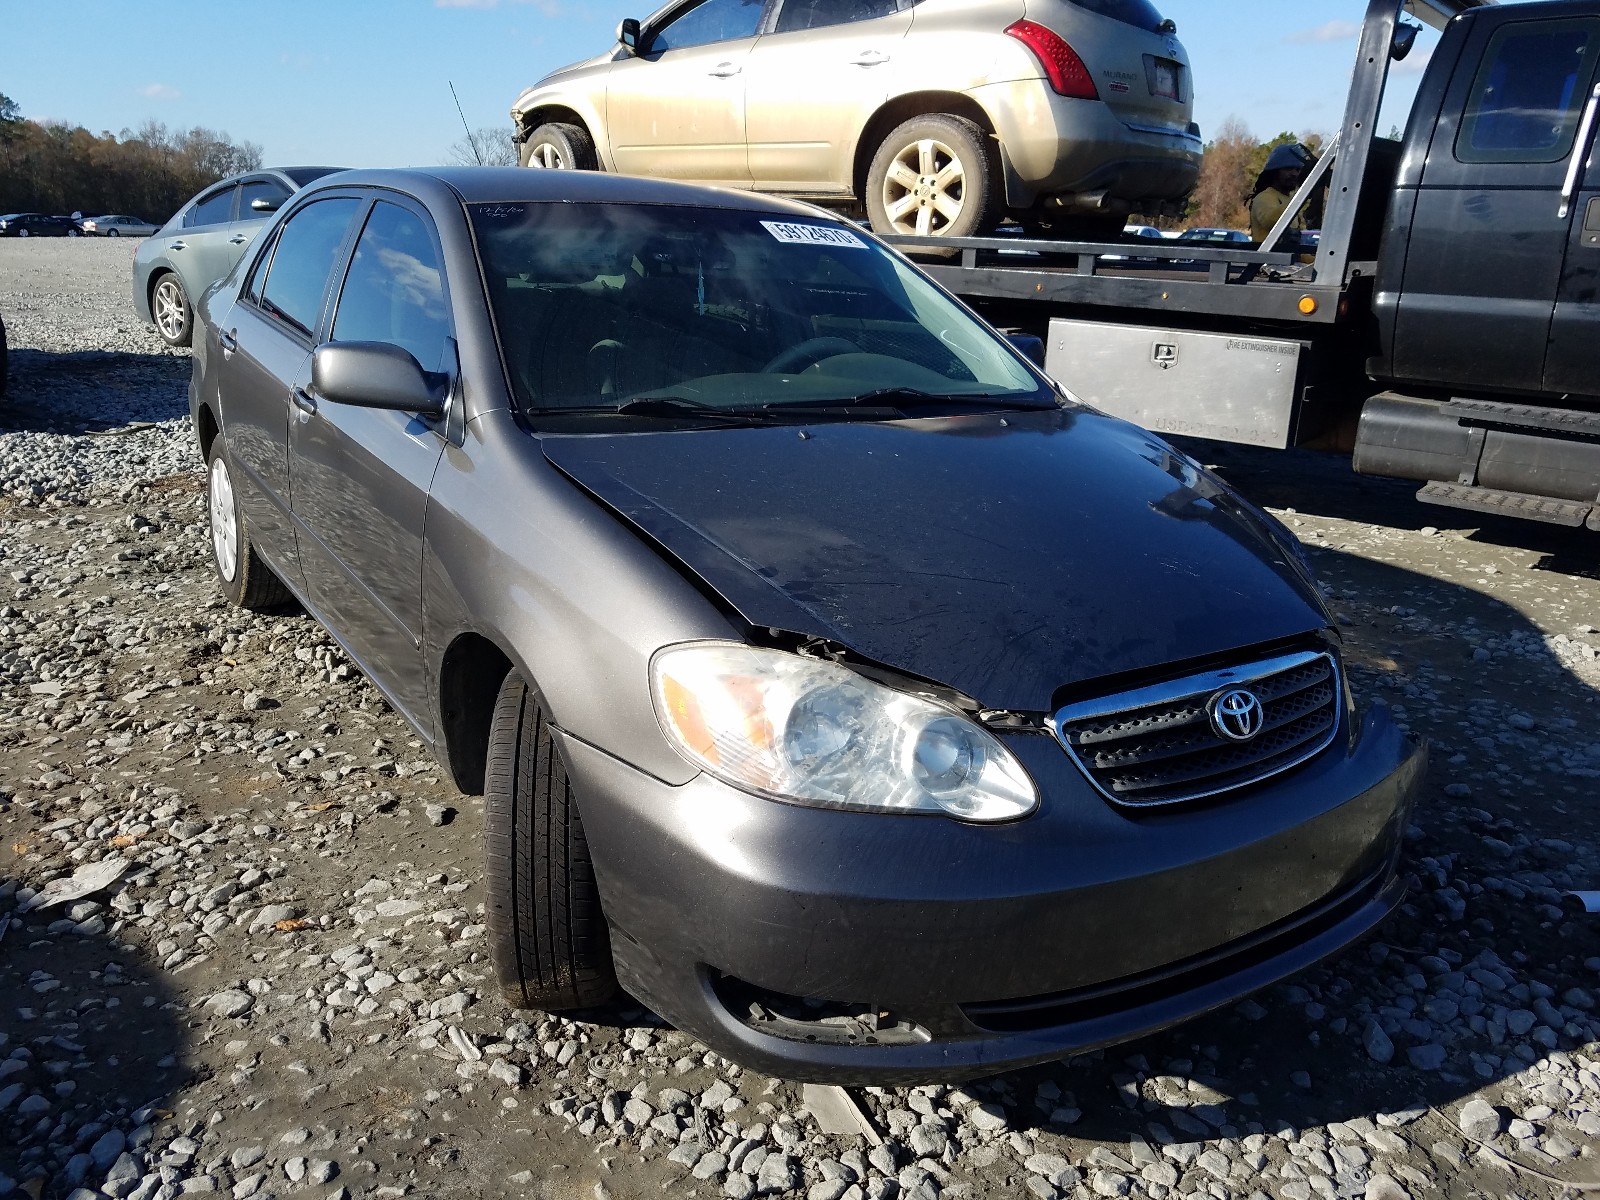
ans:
x=600 y=305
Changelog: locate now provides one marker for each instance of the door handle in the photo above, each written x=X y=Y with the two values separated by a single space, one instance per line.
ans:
x=303 y=401
x=869 y=58
x=1580 y=154
x=229 y=342
x=177 y=245
x=238 y=239
x=725 y=70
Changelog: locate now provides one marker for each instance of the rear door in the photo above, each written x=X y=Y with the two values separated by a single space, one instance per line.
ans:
x=1490 y=232
x=361 y=475
x=676 y=110
x=812 y=84
x=265 y=356
x=201 y=252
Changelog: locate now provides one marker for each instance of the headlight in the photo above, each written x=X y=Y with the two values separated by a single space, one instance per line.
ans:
x=813 y=732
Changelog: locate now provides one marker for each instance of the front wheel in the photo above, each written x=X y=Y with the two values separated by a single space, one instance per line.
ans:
x=561 y=147
x=23 y=233
x=548 y=937
x=73 y=232
x=935 y=176
x=169 y=304
x=245 y=580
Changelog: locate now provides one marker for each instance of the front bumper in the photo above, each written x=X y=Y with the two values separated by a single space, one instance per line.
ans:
x=989 y=947
x=1053 y=146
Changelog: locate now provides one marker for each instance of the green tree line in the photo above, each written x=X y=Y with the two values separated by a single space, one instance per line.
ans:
x=149 y=172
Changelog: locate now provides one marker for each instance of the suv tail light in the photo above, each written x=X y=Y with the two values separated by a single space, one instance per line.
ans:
x=1068 y=76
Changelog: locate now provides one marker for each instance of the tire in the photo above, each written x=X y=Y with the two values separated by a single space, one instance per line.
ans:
x=24 y=233
x=171 y=310
x=935 y=176
x=245 y=579
x=548 y=936
x=560 y=147
x=112 y=233
x=74 y=232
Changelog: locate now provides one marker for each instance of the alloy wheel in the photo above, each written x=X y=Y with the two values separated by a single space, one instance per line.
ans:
x=925 y=190
x=548 y=156
x=224 y=521
x=171 y=308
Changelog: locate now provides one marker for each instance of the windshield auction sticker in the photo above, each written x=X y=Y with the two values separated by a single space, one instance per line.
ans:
x=813 y=235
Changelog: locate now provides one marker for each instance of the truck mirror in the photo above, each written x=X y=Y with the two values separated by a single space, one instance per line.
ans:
x=1405 y=37
x=628 y=35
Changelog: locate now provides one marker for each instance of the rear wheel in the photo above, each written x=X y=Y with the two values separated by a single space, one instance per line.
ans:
x=23 y=233
x=935 y=176
x=112 y=232
x=169 y=305
x=245 y=580
x=561 y=147
x=549 y=940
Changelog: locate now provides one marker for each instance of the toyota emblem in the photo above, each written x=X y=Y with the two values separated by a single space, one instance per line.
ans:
x=1237 y=714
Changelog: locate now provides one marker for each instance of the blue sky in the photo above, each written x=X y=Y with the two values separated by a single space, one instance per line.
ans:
x=363 y=83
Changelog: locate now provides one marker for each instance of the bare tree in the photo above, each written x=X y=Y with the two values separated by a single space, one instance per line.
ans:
x=490 y=146
x=1222 y=194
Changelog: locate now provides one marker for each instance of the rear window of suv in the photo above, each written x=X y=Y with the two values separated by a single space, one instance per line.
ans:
x=1140 y=13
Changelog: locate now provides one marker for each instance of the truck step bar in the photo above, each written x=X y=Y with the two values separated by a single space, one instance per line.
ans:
x=1525 y=416
x=1513 y=504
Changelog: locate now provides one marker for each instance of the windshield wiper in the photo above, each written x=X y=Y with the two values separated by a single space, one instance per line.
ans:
x=662 y=406
x=904 y=399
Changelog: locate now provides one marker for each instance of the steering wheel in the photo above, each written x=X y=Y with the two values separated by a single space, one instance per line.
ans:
x=797 y=358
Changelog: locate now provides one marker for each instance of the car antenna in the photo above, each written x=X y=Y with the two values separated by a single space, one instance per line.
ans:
x=471 y=141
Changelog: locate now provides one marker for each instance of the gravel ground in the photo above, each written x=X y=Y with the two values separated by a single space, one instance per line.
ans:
x=276 y=979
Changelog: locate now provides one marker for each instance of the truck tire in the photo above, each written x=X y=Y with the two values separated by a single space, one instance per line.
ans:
x=560 y=147
x=245 y=579
x=171 y=310
x=935 y=176
x=548 y=936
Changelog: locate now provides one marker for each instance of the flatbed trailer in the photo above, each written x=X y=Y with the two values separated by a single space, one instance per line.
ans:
x=1371 y=347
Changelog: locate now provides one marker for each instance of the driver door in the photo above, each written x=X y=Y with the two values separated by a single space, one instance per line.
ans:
x=676 y=109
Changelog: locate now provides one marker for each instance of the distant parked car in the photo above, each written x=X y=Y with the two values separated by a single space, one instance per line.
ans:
x=203 y=240
x=117 y=225
x=37 y=225
x=1213 y=235
x=939 y=117
x=1143 y=232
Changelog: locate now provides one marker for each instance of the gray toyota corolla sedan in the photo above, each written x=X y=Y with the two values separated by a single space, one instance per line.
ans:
x=835 y=683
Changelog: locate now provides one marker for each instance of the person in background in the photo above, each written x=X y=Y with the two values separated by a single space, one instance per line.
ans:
x=1286 y=169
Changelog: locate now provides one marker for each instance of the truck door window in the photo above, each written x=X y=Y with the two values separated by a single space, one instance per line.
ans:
x=1529 y=93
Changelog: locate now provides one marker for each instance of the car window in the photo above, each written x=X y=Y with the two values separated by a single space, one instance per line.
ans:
x=394 y=291
x=303 y=258
x=260 y=189
x=1529 y=91
x=817 y=14
x=710 y=21
x=1140 y=13
x=214 y=209
x=597 y=304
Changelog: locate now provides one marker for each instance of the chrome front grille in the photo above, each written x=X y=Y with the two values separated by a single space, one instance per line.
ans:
x=1163 y=745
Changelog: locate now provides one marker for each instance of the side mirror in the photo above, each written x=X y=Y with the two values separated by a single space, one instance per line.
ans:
x=1031 y=347
x=373 y=375
x=1405 y=37
x=262 y=204
x=628 y=35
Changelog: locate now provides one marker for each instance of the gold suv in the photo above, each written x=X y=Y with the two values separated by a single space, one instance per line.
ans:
x=938 y=117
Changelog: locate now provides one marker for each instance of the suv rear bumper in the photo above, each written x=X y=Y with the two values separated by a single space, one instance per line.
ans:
x=1054 y=145
x=990 y=947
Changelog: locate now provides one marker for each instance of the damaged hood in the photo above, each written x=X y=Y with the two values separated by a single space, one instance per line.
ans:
x=1003 y=556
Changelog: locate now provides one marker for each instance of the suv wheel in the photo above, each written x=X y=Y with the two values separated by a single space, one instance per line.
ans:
x=169 y=305
x=559 y=147
x=935 y=176
x=548 y=937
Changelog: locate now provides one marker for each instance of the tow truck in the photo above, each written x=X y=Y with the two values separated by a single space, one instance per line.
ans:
x=1447 y=329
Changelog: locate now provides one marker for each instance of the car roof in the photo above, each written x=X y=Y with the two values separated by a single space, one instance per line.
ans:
x=490 y=185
